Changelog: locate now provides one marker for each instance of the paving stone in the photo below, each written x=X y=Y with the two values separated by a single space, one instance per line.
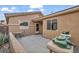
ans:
x=34 y=44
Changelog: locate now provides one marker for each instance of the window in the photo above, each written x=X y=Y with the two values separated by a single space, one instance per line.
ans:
x=49 y=25
x=52 y=24
x=24 y=25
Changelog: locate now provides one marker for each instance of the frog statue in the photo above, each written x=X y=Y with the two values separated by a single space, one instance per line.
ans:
x=63 y=40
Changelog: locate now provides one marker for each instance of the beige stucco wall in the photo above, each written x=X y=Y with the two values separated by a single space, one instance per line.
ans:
x=68 y=22
x=15 y=46
x=14 y=23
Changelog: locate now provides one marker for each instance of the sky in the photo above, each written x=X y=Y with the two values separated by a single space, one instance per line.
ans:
x=45 y=9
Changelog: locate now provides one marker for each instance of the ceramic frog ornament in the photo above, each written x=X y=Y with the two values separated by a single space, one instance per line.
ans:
x=63 y=40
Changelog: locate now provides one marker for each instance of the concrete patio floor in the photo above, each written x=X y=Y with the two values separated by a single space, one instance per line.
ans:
x=34 y=44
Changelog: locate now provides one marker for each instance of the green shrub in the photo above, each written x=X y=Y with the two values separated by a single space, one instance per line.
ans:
x=3 y=40
x=6 y=40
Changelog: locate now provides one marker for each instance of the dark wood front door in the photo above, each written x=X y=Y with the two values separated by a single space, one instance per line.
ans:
x=37 y=28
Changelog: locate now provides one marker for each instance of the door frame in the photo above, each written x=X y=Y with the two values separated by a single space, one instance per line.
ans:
x=37 y=30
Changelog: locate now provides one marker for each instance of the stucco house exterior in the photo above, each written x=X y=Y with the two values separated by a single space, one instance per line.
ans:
x=15 y=22
x=66 y=20
x=49 y=26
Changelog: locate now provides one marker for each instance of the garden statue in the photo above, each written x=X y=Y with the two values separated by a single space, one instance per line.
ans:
x=63 y=40
x=61 y=43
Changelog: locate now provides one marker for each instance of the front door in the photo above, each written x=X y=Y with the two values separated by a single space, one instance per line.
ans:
x=37 y=28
